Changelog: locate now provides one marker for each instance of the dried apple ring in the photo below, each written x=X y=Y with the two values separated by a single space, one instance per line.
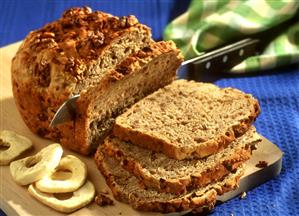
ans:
x=68 y=176
x=77 y=199
x=12 y=145
x=33 y=168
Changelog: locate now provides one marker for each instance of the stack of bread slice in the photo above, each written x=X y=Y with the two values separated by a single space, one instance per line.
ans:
x=180 y=147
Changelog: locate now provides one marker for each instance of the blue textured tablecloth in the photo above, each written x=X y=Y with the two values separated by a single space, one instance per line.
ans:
x=277 y=91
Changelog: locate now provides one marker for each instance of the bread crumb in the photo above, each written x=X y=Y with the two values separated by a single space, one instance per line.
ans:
x=261 y=164
x=243 y=195
x=119 y=213
x=103 y=200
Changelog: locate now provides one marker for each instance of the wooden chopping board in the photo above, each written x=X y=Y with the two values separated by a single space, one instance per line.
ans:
x=15 y=200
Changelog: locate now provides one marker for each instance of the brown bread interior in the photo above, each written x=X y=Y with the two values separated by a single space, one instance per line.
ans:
x=126 y=188
x=157 y=171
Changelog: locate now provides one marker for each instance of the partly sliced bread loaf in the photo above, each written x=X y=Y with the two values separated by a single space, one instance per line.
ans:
x=75 y=55
x=157 y=171
x=68 y=56
x=186 y=119
x=126 y=188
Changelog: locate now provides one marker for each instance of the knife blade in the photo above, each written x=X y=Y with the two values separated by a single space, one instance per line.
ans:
x=220 y=59
x=66 y=112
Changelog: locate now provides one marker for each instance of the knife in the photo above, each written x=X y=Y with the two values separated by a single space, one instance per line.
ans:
x=221 y=59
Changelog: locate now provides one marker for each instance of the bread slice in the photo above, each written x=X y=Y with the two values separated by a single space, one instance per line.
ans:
x=75 y=55
x=157 y=171
x=188 y=119
x=126 y=188
x=135 y=77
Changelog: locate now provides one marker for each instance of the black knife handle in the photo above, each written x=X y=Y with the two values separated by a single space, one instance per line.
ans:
x=225 y=58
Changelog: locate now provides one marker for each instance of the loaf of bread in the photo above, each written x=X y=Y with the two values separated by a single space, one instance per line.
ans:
x=111 y=62
x=157 y=171
x=126 y=188
x=187 y=119
x=174 y=150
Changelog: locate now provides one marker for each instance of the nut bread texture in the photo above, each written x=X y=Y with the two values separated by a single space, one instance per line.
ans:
x=126 y=188
x=187 y=119
x=77 y=54
x=157 y=171
x=138 y=75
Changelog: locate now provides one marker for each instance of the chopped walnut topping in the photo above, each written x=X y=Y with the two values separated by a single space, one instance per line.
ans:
x=76 y=11
x=97 y=39
x=69 y=35
x=123 y=22
x=40 y=43
x=76 y=38
x=74 y=66
x=128 y=21
x=113 y=22
x=47 y=35
x=131 y=20
x=47 y=40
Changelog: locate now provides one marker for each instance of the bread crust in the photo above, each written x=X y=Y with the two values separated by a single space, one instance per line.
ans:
x=179 y=185
x=211 y=146
x=191 y=201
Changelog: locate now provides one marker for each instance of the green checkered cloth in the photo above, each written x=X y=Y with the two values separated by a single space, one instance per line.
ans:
x=208 y=24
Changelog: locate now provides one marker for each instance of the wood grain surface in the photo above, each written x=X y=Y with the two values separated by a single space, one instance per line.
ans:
x=15 y=200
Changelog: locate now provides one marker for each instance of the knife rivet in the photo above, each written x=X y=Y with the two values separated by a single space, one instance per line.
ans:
x=241 y=52
x=224 y=59
x=208 y=65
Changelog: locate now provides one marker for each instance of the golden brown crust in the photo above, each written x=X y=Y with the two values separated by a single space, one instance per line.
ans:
x=218 y=143
x=191 y=201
